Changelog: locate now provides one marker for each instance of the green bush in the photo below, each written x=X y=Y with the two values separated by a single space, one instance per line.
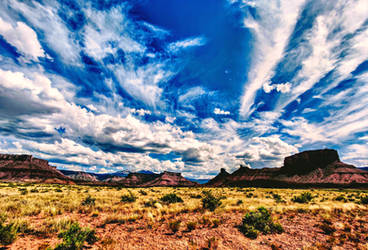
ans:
x=195 y=196
x=341 y=198
x=89 y=201
x=75 y=237
x=364 y=199
x=171 y=198
x=210 y=202
x=150 y=203
x=8 y=233
x=277 y=198
x=259 y=221
x=303 y=198
x=128 y=197
x=142 y=192
x=23 y=191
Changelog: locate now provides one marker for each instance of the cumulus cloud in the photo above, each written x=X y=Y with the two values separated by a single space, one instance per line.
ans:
x=218 y=111
x=23 y=38
x=127 y=141
x=280 y=87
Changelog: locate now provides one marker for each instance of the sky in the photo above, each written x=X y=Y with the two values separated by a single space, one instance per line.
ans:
x=184 y=86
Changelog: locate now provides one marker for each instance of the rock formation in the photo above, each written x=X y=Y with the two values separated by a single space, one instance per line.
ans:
x=308 y=168
x=26 y=168
x=170 y=179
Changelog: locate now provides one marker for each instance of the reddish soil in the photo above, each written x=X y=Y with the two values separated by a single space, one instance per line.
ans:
x=302 y=231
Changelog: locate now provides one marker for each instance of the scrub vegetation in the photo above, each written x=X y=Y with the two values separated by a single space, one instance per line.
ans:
x=51 y=216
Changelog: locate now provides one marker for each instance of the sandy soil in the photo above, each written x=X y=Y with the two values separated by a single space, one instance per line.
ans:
x=302 y=231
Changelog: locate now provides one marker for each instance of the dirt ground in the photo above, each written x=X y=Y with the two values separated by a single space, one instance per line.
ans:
x=303 y=230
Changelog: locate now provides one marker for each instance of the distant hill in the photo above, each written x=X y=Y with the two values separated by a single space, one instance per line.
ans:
x=199 y=181
x=170 y=179
x=308 y=168
x=364 y=168
x=89 y=176
x=26 y=168
x=130 y=179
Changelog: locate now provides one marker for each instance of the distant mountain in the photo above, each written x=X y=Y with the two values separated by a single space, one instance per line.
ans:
x=130 y=179
x=170 y=179
x=108 y=177
x=364 y=168
x=308 y=168
x=199 y=181
x=79 y=175
x=26 y=168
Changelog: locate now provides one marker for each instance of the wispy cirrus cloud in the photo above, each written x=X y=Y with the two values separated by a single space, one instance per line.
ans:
x=271 y=29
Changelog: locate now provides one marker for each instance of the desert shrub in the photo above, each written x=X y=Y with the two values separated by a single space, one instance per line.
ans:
x=340 y=198
x=209 y=201
x=277 y=198
x=191 y=225
x=23 y=191
x=239 y=202
x=89 y=201
x=142 y=192
x=22 y=226
x=259 y=221
x=75 y=237
x=34 y=190
x=195 y=196
x=171 y=198
x=8 y=232
x=150 y=203
x=249 y=195
x=364 y=199
x=128 y=197
x=174 y=225
x=304 y=197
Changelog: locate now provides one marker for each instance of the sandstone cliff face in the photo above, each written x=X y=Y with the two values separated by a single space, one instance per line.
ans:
x=218 y=180
x=26 y=168
x=307 y=161
x=315 y=167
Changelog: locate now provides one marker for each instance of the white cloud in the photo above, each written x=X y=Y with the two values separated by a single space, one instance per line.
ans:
x=356 y=154
x=279 y=87
x=100 y=40
x=141 y=112
x=142 y=83
x=57 y=34
x=218 y=111
x=23 y=38
x=201 y=153
x=191 y=94
x=327 y=40
x=271 y=32
x=348 y=116
x=186 y=43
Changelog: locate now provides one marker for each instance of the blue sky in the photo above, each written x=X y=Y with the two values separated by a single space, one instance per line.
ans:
x=186 y=86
